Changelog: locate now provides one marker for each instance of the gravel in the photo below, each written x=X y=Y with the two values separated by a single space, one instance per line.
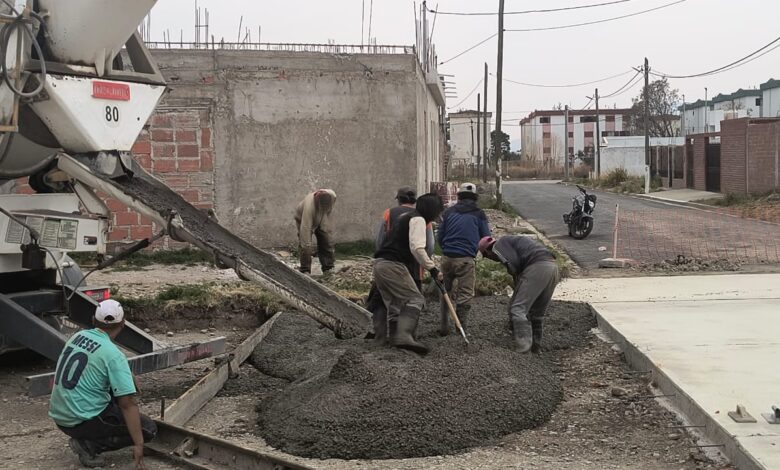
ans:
x=354 y=400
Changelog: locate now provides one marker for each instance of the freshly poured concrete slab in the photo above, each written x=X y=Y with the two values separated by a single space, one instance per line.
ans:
x=670 y=288
x=710 y=341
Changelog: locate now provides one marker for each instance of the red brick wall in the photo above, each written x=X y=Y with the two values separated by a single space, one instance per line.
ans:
x=700 y=163
x=732 y=156
x=177 y=147
x=763 y=155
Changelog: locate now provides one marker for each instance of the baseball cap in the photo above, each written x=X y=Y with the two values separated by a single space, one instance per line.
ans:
x=109 y=311
x=407 y=193
x=468 y=188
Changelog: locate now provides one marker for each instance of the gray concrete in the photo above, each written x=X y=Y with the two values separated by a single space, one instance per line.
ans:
x=544 y=203
x=710 y=344
x=287 y=123
x=683 y=195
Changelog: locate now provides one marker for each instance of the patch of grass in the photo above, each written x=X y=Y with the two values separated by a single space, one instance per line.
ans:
x=614 y=178
x=352 y=249
x=203 y=296
x=185 y=256
x=488 y=201
x=491 y=278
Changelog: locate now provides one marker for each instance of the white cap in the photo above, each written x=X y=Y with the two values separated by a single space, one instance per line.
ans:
x=110 y=312
x=468 y=188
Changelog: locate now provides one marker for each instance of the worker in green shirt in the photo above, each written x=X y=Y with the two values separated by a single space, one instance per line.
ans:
x=93 y=397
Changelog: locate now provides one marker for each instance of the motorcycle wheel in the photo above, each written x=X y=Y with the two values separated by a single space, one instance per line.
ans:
x=581 y=230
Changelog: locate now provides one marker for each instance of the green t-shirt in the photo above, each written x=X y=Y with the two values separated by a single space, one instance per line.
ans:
x=89 y=371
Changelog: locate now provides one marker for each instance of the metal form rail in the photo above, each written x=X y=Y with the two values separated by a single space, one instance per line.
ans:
x=195 y=450
x=190 y=448
x=123 y=179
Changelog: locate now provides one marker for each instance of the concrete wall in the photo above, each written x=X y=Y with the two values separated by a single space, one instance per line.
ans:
x=285 y=124
x=770 y=103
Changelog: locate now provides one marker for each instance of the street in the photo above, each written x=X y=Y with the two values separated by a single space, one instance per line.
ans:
x=543 y=204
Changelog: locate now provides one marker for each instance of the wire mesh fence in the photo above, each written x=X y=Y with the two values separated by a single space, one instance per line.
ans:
x=657 y=235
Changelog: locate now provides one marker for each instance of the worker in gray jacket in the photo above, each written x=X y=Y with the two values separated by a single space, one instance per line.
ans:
x=313 y=217
x=535 y=275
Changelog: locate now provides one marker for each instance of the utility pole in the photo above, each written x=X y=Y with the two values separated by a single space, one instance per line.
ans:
x=647 y=125
x=706 y=112
x=485 y=138
x=471 y=124
x=683 y=132
x=479 y=131
x=499 y=83
x=598 y=137
x=566 y=141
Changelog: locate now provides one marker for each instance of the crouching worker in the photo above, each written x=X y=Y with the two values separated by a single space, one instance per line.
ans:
x=405 y=245
x=93 y=397
x=535 y=274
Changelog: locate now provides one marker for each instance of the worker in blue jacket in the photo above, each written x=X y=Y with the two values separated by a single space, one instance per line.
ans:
x=462 y=227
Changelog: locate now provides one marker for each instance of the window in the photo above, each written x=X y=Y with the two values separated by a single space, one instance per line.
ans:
x=607 y=133
x=589 y=134
x=758 y=101
x=544 y=120
x=611 y=118
x=546 y=150
x=571 y=150
x=571 y=118
x=546 y=135
x=571 y=135
x=588 y=119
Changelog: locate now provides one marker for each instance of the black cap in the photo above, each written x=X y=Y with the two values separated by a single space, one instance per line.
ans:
x=407 y=194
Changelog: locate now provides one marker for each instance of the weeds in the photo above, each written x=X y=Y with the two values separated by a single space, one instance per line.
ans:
x=202 y=296
x=489 y=202
x=348 y=250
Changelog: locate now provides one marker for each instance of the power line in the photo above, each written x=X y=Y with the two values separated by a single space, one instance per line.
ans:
x=629 y=84
x=724 y=68
x=469 y=95
x=470 y=48
x=525 y=12
x=572 y=85
x=588 y=23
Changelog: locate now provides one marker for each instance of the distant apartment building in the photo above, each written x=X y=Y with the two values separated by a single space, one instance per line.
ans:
x=544 y=132
x=705 y=116
x=770 y=99
x=464 y=126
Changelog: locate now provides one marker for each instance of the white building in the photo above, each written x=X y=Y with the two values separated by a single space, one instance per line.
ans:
x=464 y=126
x=544 y=132
x=770 y=99
x=702 y=117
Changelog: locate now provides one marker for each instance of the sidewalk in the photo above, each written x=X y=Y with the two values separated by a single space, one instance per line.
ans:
x=711 y=343
x=681 y=195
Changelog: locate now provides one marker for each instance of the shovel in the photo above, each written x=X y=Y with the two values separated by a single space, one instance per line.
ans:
x=451 y=308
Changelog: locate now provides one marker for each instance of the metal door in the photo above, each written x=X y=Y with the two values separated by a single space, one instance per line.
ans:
x=713 y=168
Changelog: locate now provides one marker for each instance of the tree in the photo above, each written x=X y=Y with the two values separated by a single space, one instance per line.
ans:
x=503 y=140
x=663 y=104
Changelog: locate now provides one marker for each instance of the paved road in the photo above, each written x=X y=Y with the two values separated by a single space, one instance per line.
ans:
x=543 y=203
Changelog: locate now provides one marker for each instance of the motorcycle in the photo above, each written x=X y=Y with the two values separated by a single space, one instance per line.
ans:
x=580 y=219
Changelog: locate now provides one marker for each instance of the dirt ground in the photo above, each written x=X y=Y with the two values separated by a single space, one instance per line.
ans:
x=604 y=422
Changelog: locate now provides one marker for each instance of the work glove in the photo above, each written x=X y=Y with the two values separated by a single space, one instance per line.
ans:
x=436 y=274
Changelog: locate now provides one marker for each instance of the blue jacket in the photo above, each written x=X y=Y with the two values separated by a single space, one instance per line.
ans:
x=462 y=226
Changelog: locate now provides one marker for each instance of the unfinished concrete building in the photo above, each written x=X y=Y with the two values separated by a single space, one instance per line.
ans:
x=250 y=132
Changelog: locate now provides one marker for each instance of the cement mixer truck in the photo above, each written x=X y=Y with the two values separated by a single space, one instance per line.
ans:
x=78 y=85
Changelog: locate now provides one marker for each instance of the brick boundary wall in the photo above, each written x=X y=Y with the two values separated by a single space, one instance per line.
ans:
x=700 y=163
x=177 y=147
x=732 y=156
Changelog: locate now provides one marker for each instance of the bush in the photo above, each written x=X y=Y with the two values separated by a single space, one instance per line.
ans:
x=614 y=178
x=581 y=171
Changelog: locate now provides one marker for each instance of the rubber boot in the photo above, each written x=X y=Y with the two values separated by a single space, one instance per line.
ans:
x=463 y=314
x=522 y=334
x=537 y=325
x=380 y=325
x=444 y=324
x=403 y=336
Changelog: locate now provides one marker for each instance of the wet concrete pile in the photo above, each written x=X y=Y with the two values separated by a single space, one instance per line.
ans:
x=326 y=398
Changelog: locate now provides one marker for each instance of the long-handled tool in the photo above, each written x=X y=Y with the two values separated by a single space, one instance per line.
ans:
x=451 y=308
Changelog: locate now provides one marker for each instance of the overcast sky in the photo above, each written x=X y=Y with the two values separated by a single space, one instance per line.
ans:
x=691 y=37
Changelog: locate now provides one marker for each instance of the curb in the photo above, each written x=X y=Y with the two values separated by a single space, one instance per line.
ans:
x=573 y=267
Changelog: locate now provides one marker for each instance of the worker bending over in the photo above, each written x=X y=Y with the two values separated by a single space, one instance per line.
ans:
x=535 y=275
x=402 y=297
x=313 y=217
x=462 y=227
x=93 y=397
